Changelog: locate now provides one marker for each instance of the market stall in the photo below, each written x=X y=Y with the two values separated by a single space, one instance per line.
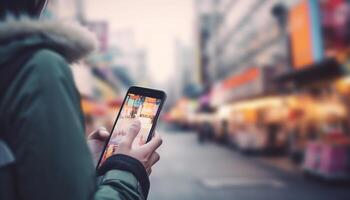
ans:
x=319 y=107
x=250 y=83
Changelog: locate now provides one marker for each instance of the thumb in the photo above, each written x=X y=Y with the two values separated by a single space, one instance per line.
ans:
x=132 y=132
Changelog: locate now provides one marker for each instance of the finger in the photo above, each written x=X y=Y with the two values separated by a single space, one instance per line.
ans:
x=93 y=134
x=149 y=171
x=152 y=145
x=103 y=133
x=154 y=158
x=99 y=134
x=132 y=132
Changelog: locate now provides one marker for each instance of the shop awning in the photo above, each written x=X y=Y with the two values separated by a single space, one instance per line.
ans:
x=326 y=70
x=249 y=83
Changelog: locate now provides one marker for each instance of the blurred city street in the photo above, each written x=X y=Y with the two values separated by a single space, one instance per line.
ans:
x=189 y=170
x=258 y=91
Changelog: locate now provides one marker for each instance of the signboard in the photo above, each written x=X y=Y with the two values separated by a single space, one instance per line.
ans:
x=305 y=33
x=248 y=83
x=335 y=26
x=245 y=77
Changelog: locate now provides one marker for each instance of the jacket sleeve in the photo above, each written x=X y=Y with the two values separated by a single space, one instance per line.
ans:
x=46 y=133
x=134 y=171
x=118 y=184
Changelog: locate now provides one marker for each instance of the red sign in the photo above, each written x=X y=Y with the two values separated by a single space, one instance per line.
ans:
x=249 y=75
x=246 y=83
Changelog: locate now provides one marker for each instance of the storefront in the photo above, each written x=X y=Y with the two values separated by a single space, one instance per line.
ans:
x=248 y=108
x=183 y=113
x=318 y=116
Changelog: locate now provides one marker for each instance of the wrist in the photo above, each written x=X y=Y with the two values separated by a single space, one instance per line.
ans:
x=130 y=164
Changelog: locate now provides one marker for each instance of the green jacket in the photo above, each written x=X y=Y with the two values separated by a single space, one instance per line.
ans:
x=41 y=120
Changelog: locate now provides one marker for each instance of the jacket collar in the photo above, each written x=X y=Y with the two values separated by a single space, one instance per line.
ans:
x=67 y=38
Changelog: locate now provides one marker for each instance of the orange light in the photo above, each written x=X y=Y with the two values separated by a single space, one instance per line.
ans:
x=300 y=30
x=240 y=79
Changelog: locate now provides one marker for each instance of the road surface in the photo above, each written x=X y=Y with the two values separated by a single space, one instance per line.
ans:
x=190 y=171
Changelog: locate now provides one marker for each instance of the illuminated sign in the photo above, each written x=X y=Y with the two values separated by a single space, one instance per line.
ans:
x=241 y=85
x=305 y=33
x=247 y=76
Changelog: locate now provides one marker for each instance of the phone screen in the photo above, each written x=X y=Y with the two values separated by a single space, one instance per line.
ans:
x=138 y=107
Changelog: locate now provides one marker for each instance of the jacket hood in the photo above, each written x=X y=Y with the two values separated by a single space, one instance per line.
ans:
x=69 y=39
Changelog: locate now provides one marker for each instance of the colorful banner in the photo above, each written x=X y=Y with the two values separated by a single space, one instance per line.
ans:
x=305 y=33
x=247 y=83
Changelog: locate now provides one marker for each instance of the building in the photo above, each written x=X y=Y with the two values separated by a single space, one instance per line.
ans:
x=207 y=19
x=93 y=76
x=128 y=56
x=236 y=35
x=184 y=81
x=72 y=10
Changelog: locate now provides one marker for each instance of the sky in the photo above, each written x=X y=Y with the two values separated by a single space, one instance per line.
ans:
x=156 y=25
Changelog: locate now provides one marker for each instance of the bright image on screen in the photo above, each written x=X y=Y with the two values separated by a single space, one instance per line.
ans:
x=135 y=107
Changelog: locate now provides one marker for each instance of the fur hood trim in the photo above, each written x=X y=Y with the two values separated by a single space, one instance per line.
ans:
x=70 y=39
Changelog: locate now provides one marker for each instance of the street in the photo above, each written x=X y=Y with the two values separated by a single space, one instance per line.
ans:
x=189 y=171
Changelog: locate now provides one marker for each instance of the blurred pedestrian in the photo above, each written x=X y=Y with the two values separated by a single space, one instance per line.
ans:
x=204 y=132
x=43 y=152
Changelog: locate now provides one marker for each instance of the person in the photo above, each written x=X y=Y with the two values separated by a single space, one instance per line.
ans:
x=43 y=151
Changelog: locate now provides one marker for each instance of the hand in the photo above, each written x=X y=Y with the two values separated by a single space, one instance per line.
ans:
x=96 y=141
x=146 y=153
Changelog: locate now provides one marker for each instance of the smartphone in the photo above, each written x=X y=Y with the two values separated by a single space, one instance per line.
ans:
x=141 y=104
